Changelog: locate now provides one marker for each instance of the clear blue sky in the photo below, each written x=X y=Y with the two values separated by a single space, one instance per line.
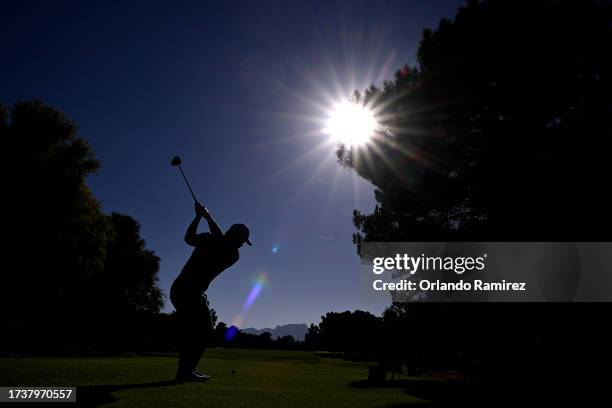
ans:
x=239 y=90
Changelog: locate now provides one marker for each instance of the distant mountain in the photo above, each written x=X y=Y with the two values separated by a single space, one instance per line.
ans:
x=298 y=331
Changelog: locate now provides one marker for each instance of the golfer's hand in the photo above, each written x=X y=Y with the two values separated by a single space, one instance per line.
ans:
x=201 y=211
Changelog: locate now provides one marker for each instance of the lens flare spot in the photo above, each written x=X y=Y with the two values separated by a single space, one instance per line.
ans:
x=230 y=333
x=275 y=248
x=237 y=321
x=259 y=284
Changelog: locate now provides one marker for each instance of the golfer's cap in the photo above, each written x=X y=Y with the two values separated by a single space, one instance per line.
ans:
x=243 y=231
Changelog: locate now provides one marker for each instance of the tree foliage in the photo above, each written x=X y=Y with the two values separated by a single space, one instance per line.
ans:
x=67 y=261
x=352 y=334
x=59 y=234
x=501 y=132
x=128 y=281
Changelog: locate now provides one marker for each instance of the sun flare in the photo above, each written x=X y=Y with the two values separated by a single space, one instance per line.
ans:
x=351 y=124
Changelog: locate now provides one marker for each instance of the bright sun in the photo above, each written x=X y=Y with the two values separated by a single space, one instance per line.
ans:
x=351 y=124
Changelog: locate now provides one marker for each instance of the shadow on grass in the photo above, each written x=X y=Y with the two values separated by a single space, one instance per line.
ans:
x=439 y=392
x=94 y=395
x=492 y=392
x=327 y=354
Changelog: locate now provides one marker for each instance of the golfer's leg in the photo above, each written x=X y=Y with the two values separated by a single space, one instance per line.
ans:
x=197 y=354
x=184 y=361
x=203 y=331
x=198 y=346
x=185 y=339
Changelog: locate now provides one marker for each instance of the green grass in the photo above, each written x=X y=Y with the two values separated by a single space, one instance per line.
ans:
x=264 y=378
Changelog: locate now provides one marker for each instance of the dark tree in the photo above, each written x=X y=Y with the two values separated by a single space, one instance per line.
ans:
x=247 y=340
x=213 y=314
x=353 y=334
x=128 y=282
x=57 y=232
x=219 y=333
x=286 y=342
x=85 y=278
x=501 y=132
x=312 y=339
x=266 y=337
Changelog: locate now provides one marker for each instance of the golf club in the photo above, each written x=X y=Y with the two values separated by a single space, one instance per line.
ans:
x=176 y=161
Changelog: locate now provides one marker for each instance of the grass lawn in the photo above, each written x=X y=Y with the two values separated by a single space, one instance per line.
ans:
x=264 y=378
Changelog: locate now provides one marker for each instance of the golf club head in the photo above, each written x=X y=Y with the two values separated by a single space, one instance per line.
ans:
x=176 y=161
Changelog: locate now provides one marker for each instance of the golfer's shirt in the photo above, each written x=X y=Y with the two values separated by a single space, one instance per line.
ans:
x=211 y=256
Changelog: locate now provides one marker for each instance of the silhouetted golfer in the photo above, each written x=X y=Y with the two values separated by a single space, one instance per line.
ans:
x=214 y=252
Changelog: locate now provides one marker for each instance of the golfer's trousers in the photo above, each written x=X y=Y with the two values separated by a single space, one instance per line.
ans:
x=194 y=325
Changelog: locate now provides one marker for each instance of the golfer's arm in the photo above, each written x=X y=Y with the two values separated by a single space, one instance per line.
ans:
x=192 y=230
x=213 y=227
